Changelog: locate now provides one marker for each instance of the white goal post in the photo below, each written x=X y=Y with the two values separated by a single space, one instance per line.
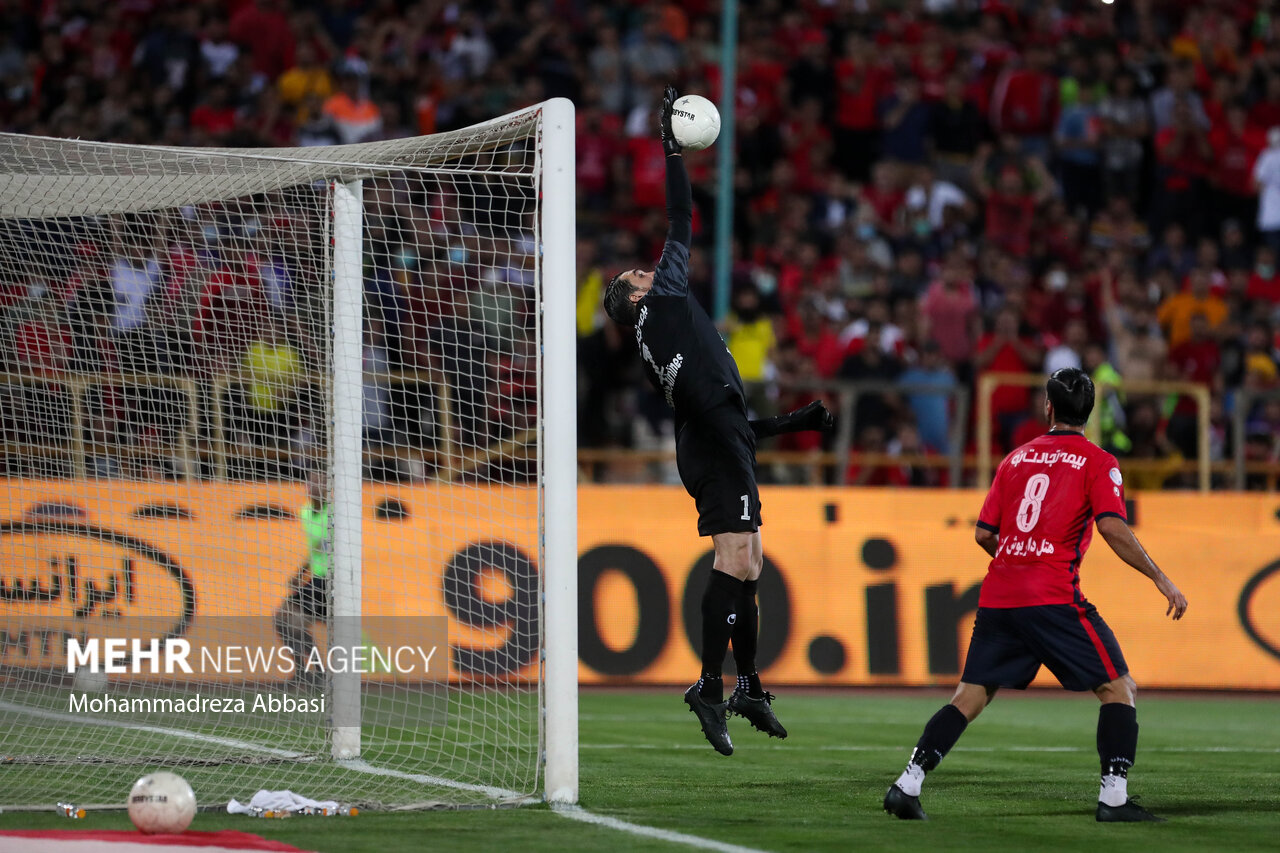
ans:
x=270 y=408
x=560 y=453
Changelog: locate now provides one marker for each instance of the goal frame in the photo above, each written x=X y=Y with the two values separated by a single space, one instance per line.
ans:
x=559 y=464
x=36 y=196
x=555 y=170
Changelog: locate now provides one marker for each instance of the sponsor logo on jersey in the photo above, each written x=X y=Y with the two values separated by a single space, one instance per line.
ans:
x=1051 y=458
x=1025 y=547
x=668 y=373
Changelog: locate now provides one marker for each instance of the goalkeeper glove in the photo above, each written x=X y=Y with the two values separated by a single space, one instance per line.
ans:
x=814 y=416
x=669 y=144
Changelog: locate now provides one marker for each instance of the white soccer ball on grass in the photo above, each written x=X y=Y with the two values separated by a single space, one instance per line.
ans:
x=695 y=121
x=162 y=802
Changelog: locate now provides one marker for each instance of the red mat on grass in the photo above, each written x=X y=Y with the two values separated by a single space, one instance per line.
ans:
x=126 y=841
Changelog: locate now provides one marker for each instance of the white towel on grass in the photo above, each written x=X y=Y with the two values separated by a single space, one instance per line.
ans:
x=278 y=801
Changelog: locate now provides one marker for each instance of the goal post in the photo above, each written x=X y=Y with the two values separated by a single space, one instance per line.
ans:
x=347 y=457
x=560 y=449
x=264 y=409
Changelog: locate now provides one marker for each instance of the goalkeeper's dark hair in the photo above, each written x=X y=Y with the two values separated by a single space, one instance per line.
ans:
x=617 y=301
x=1070 y=392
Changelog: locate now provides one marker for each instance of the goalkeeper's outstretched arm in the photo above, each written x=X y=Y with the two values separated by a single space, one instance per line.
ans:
x=679 y=201
x=671 y=278
x=814 y=416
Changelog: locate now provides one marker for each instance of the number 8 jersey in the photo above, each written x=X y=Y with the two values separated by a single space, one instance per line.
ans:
x=1044 y=501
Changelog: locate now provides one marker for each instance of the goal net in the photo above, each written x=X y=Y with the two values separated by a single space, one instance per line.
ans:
x=286 y=446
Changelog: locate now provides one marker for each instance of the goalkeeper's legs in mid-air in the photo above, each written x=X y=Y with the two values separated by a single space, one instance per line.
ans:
x=730 y=616
x=715 y=453
x=749 y=700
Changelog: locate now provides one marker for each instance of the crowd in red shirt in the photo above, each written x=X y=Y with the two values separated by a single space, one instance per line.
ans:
x=1022 y=190
x=965 y=176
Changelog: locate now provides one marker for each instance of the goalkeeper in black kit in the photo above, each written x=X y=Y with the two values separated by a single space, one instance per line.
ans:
x=690 y=365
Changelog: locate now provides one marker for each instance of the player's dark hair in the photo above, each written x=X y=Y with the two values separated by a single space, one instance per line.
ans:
x=1070 y=392
x=617 y=301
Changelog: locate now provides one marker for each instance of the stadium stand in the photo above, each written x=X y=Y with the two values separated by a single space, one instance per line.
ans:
x=927 y=190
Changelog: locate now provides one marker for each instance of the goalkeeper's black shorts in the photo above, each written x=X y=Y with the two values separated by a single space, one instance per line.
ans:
x=312 y=599
x=716 y=455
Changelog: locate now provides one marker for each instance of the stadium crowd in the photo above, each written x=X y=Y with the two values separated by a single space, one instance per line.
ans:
x=926 y=190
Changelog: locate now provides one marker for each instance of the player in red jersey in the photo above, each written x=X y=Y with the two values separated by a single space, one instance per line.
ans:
x=1036 y=524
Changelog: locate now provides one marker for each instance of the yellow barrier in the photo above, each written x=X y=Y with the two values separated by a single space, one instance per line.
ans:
x=862 y=586
x=1197 y=391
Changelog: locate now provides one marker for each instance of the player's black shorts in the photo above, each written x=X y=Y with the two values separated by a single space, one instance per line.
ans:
x=312 y=599
x=716 y=455
x=1010 y=644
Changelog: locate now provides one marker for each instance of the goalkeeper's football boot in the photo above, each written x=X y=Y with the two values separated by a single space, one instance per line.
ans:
x=1130 y=812
x=900 y=804
x=711 y=716
x=758 y=711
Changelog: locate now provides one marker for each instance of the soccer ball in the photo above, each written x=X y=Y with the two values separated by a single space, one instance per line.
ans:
x=695 y=121
x=162 y=802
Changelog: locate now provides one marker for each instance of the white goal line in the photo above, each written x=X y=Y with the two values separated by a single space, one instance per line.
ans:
x=356 y=765
x=583 y=816
x=216 y=740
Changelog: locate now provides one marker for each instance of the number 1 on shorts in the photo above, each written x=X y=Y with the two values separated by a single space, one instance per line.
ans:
x=746 y=507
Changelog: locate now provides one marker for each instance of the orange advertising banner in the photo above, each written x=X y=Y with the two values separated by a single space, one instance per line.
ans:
x=861 y=587
x=879 y=586
x=210 y=562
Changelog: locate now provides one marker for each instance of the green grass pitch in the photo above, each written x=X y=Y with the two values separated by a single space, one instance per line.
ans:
x=1024 y=777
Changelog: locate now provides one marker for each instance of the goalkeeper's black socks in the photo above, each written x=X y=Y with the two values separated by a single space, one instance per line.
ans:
x=711 y=688
x=719 y=616
x=749 y=684
x=746 y=632
x=940 y=734
x=1117 y=749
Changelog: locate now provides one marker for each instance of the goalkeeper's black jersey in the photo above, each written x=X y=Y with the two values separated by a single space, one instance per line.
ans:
x=683 y=354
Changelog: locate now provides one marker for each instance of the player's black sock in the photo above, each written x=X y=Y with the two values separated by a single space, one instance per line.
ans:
x=1117 y=749
x=940 y=734
x=719 y=614
x=1117 y=738
x=745 y=634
